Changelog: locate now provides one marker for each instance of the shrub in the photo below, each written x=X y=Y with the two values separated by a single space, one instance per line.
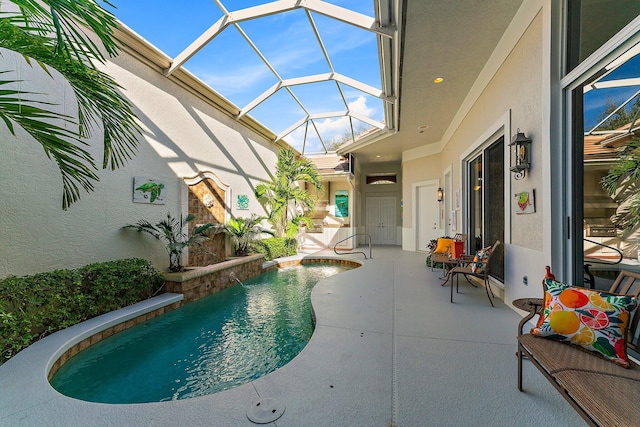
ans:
x=435 y=264
x=276 y=247
x=32 y=307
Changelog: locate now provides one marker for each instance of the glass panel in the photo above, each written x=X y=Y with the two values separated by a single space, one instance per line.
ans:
x=348 y=45
x=607 y=211
x=592 y=22
x=280 y=101
x=364 y=7
x=486 y=203
x=494 y=206
x=287 y=41
x=320 y=97
x=475 y=205
x=231 y=67
x=171 y=29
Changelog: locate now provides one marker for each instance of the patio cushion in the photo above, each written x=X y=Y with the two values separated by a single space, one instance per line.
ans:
x=443 y=246
x=480 y=260
x=594 y=320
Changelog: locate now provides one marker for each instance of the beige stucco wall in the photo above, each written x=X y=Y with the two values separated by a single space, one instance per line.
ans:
x=419 y=170
x=183 y=135
x=515 y=90
x=513 y=98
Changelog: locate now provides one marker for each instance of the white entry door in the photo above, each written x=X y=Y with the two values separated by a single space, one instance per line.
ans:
x=427 y=221
x=381 y=220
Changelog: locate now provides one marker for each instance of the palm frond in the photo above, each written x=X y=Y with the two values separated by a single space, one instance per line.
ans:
x=52 y=32
x=58 y=142
x=67 y=19
x=621 y=182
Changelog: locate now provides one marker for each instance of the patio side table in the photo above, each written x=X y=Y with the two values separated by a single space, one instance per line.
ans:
x=532 y=305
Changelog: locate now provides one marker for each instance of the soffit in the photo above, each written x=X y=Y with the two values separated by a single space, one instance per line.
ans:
x=453 y=40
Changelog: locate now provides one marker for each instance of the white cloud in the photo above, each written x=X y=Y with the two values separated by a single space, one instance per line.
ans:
x=237 y=81
x=360 y=106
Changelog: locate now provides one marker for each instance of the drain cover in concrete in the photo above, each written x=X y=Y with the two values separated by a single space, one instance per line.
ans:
x=265 y=411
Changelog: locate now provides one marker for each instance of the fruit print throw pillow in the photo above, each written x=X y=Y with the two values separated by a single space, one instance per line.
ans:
x=594 y=320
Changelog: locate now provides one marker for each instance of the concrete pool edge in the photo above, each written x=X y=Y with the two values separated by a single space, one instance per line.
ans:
x=103 y=326
x=25 y=376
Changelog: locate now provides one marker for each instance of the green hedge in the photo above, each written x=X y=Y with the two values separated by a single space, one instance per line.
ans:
x=32 y=307
x=275 y=247
x=435 y=264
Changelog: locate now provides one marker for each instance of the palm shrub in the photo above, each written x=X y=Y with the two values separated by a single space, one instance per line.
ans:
x=170 y=231
x=243 y=231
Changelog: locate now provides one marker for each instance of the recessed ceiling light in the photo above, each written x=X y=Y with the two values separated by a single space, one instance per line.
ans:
x=438 y=80
x=422 y=128
x=378 y=156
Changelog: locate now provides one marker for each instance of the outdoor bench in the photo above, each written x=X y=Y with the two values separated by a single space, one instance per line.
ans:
x=602 y=392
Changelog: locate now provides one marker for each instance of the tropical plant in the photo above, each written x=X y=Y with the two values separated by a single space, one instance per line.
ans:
x=52 y=34
x=621 y=182
x=169 y=230
x=277 y=195
x=243 y=231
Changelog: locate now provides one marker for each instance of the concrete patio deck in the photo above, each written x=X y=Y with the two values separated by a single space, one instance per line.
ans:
x=389 y=349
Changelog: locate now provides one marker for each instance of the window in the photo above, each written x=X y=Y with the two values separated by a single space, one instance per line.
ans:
x=382 y=179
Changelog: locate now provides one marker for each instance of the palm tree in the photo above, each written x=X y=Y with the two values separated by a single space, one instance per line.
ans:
x=622 y=182
x=277 y=195
x=52 y=34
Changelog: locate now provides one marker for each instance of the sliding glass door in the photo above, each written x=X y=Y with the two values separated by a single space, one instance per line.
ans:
x=486 y=202
x=603 y=148
x=606 y=161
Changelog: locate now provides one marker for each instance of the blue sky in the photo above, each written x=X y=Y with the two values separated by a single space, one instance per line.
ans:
x=595 y=101
x=231 y=67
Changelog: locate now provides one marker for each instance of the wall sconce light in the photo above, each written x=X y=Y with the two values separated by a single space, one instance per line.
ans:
x=520 y=148
x=440 y=194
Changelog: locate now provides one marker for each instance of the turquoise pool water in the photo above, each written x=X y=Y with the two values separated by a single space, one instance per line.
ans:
x=210 y=345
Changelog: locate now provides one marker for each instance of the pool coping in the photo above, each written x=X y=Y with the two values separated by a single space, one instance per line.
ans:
x=35 y=365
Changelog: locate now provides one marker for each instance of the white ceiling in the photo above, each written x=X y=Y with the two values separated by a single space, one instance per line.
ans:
x=452 y=39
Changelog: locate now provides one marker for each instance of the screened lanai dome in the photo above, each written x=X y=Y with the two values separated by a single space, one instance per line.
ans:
x=316 y=73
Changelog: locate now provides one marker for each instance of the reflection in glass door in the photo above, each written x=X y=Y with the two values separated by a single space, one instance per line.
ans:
x=606 y=154
x=486 y=202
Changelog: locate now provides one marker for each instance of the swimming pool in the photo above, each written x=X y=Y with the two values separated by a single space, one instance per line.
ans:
x=213 y=344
